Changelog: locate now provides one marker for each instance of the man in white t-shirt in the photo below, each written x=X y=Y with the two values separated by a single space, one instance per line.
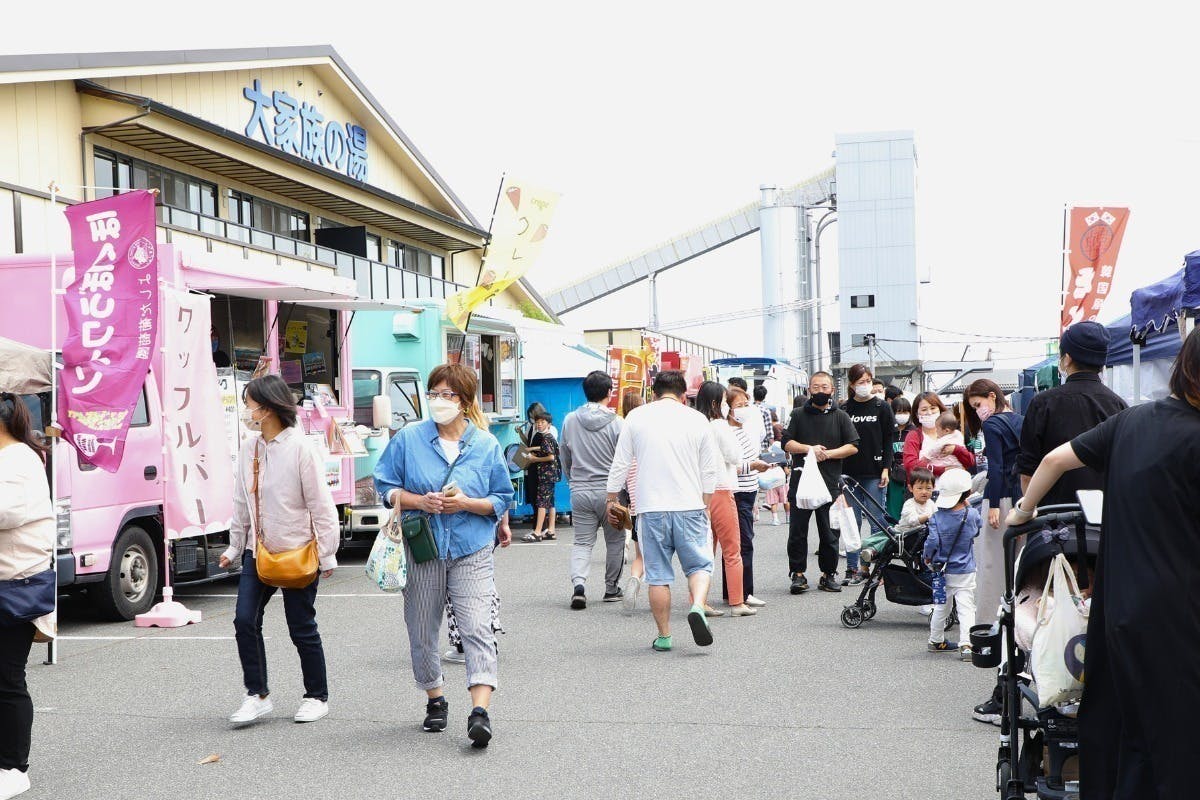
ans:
x=674 y=444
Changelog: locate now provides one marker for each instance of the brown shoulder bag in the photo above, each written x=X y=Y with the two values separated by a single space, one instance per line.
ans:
x=287 y=569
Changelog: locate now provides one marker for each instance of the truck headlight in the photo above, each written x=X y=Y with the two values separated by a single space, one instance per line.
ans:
x=62 y=514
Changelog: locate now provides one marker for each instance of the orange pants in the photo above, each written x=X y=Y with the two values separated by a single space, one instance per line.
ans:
x=727 y=535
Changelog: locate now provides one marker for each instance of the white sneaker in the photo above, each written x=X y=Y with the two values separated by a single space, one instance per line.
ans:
x=925 y=611
x=776 y=521
x=754 y=602
x=453 y=656
x=12 y=783
x=311 y=709
x=252 y=708
x=744 y=610
x=629 y=598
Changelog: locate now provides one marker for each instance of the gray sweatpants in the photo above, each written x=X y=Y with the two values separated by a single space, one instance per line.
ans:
x=588 y=515
x=470 y=583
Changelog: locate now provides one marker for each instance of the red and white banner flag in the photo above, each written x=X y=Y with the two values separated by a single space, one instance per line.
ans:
x=112 y=320
x=1093 y=244
x=199 y=471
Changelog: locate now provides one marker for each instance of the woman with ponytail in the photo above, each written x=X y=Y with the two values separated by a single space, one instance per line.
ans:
x=27 y=603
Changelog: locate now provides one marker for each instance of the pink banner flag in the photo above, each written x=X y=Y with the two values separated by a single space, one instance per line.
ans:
x=199 y=479
x=112 y=318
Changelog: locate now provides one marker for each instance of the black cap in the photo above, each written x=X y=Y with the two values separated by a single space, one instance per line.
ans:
x=1086 y=342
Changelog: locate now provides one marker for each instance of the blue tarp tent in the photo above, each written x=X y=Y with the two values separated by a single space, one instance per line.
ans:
x=1035 y=378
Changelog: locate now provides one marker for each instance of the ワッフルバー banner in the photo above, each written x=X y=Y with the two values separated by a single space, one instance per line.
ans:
x=1093 y=244
x=199 y=466
x=111 y=301
x=518 y=231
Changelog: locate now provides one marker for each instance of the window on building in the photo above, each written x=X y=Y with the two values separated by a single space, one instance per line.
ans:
x=373 y=247
x=117 y=173
x=861 y=339
x=862 y=301
x=254 y=212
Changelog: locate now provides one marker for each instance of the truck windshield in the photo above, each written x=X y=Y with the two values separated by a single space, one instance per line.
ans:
x=366 y=386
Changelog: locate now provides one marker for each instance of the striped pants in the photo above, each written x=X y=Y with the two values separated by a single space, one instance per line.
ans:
x=470 y=584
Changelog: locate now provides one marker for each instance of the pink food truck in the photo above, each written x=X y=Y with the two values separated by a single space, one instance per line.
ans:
x=111 y=540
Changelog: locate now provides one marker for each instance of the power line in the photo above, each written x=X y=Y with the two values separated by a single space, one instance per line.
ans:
x=985 y=336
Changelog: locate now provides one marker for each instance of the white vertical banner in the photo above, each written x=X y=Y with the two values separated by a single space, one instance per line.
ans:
x=199 y=467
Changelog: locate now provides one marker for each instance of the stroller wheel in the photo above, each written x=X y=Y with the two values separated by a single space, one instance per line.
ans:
x=852 y=616
x=951 y=620
x=868 y=609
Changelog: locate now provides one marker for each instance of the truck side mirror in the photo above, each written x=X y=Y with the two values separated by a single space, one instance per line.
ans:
x=381 y=411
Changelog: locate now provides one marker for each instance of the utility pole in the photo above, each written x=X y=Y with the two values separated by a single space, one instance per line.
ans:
x=653 y=323
x=871 y=353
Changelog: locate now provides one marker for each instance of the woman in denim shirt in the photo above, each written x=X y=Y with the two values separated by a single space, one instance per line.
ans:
x=410 y=477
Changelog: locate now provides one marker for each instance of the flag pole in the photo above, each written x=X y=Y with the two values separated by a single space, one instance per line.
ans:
x=483 y=258
x=52 y=645
x=1062 y=291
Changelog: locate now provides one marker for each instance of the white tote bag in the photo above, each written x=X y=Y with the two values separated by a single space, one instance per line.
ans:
x=1060 y=637
x=771 y=479
x=841 y=519
x=811 y=491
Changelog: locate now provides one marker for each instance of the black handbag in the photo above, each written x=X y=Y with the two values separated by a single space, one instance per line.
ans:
x=26 y=599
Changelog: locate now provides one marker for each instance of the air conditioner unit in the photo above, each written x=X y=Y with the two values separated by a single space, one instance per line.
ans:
x=405 y=326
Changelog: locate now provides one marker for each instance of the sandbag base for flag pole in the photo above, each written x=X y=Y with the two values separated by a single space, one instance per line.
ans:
x=167 y=614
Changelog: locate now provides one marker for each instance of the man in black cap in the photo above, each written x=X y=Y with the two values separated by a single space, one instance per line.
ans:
x=1057 y=416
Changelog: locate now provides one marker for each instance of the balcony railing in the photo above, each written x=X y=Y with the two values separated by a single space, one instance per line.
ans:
x=374 y=279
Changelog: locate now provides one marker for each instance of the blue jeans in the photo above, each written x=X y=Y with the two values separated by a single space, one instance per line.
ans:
x=664 y=534
x=868 y=486
x=301 y=615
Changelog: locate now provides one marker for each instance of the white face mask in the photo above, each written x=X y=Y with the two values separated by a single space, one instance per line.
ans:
x=862 y=392
x=902 y=419
x=249 y=421
x=444 y=411
x=927 y=420
x=724 y=410
x=740 y=414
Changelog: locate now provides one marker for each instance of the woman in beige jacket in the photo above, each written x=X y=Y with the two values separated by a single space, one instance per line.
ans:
x=26 y=549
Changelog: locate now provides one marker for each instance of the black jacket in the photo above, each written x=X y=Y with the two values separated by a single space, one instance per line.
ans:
x=1057 y=416
x=830 y=427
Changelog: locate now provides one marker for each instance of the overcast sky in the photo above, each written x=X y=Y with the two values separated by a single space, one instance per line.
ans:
x=652 y=118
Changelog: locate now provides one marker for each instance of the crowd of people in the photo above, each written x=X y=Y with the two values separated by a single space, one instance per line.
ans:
x=676 y=480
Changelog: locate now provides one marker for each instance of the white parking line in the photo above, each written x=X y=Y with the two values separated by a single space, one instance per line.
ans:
x=319 y=595
x=146 y=638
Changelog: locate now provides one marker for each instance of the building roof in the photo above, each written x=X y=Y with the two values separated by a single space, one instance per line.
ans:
x=81 y=67
x=66 y=66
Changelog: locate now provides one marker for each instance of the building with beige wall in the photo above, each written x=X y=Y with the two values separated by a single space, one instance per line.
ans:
x=279 y=157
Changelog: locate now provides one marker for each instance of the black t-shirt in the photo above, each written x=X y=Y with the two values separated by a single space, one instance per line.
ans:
x=1057 y=416
x=1148 y=573
x=831 y=428
x=876 y=426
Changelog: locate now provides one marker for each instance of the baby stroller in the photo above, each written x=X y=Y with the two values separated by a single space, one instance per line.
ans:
x=896 y=564
x=1024 y=737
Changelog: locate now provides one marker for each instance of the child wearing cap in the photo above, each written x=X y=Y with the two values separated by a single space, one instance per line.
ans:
x=949 y=549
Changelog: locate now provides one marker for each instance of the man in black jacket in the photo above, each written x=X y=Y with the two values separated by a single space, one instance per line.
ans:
x=1057 y=416
x=821 y=426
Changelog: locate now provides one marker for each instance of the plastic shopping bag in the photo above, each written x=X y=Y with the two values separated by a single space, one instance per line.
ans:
x=811 y=491
x=387 y=566
x=846 y=524
x=1060 y=638
x=771 y=479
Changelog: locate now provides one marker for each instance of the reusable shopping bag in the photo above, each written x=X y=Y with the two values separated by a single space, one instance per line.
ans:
x=387 y=566
x=842 y=519
x=811 y=491
x=1060 y=637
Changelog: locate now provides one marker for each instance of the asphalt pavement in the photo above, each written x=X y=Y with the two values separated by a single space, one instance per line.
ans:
x=784 y=704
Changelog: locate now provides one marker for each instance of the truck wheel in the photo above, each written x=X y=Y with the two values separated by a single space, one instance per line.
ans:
x=133 y=578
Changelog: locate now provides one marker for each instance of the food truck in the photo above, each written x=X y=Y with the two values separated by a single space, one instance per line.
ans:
x=111 y=540
x=392 y=354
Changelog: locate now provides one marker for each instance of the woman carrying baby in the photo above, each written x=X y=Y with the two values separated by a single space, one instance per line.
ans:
x=926 y=439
